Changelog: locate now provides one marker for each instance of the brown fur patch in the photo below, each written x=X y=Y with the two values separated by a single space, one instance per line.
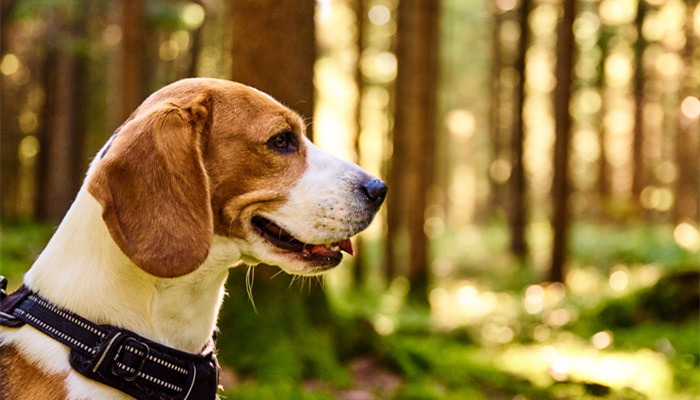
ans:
x=154 y=191
x=188 y=164
x=20 y=380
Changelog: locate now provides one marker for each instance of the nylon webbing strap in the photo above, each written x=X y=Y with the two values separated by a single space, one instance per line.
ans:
x=117 y=357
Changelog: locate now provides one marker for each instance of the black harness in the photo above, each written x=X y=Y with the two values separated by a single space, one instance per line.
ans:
x=113 y=356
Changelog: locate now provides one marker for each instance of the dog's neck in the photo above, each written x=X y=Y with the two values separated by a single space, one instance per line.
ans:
x=84 y=271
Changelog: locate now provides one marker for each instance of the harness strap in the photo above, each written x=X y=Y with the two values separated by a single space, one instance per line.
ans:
x=117 y=357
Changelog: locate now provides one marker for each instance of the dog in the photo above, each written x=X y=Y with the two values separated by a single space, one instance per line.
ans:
x=204 y=175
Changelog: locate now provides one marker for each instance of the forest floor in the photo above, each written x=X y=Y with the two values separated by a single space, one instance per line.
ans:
x=625 y=326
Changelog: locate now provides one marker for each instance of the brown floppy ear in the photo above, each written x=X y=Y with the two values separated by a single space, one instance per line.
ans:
x=154 y=190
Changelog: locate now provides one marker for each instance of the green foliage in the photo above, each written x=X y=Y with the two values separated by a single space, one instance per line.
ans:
x=674 y=298
x=20 y=244
x=292 y=337
x=607 y=245
x=298 y=336
x=273 y=391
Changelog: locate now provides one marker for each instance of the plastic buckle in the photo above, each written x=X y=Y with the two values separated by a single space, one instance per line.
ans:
x=130 y=359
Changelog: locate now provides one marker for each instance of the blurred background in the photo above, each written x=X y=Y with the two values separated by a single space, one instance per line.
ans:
x=540 y=239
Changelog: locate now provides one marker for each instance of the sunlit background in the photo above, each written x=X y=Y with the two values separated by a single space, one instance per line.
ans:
x=626 y=239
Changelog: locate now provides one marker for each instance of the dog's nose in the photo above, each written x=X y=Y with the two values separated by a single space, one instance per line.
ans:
x=375 y=190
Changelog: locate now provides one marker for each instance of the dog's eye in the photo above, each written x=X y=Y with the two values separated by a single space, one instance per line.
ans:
x=284 y=142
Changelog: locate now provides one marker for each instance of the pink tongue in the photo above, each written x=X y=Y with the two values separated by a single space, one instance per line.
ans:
x=319 y=250
x=346 y=246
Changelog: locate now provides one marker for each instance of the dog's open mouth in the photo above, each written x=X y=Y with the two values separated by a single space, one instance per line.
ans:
x=329 y=253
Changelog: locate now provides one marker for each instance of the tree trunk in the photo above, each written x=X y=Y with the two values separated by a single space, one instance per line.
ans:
x=638 y=168
x=560 y=181
x=359 y=273
x=517 y=212
x=274 y=50
x=133 y=59
x=414 y=131
x=688 y=139
x=496 y=195
x=61 y=159
x=604 y=169
x=9 y=129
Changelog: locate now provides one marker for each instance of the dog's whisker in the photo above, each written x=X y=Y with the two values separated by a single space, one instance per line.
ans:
x=276 y=274
x=249 y=280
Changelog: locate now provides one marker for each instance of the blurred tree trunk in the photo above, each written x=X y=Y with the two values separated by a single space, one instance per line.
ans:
x=62 y=139
x=359 y=273
x=274 y=50
x=132 y=83
x=9 y=129
x=196 y=47
x=638 y=168
x=603 y=181
x=414 y=130
x=688 y=139
x=517 y=211
x=496 y=195
x=560 y=181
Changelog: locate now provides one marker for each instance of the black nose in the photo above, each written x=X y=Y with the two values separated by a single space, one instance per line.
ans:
x=375 y=190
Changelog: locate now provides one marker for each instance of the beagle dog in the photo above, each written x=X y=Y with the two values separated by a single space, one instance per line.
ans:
x=205 y=173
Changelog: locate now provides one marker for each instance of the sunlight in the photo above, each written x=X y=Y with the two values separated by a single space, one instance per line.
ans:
x=656 y=198
x=602 y=340
x=28 y=122
x=506 y=5
x=690 y=107
x=193 y=15
x=383 y=325
x=28 y=148
x=618 y=69
x=582 y=280
x=644 y=371
x=619 y=280
x=534 y=299
x=668 y=64
x=687 y=236
x=557 y=317
x=463 y=303
x=616 y=12
x=467 y=296
x=379 y=15
x=10 y=64
x=461 y=123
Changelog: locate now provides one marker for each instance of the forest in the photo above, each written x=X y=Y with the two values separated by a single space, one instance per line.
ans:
x=541 y=235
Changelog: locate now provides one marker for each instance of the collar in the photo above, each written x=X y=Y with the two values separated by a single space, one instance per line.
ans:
x=114 y=356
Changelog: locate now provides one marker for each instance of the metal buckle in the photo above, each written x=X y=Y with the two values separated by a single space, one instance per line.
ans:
x=3 y=287
x=3 y=295
x=132 y=355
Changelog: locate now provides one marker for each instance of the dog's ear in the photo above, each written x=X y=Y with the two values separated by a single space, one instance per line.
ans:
x=154 y=190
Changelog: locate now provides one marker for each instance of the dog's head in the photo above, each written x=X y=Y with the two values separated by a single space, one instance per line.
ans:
x=204 y=157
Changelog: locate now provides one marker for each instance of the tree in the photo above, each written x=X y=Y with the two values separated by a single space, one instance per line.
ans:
x=603 y=186
x=496 y=194
x=9 y=159
x=60 y=172
x=517 y=211
x=638 y=168
x=274 y=50
x=688 y=140
x=359 y=266
x=132 y=50
x=413 y=140
x=560 y=181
